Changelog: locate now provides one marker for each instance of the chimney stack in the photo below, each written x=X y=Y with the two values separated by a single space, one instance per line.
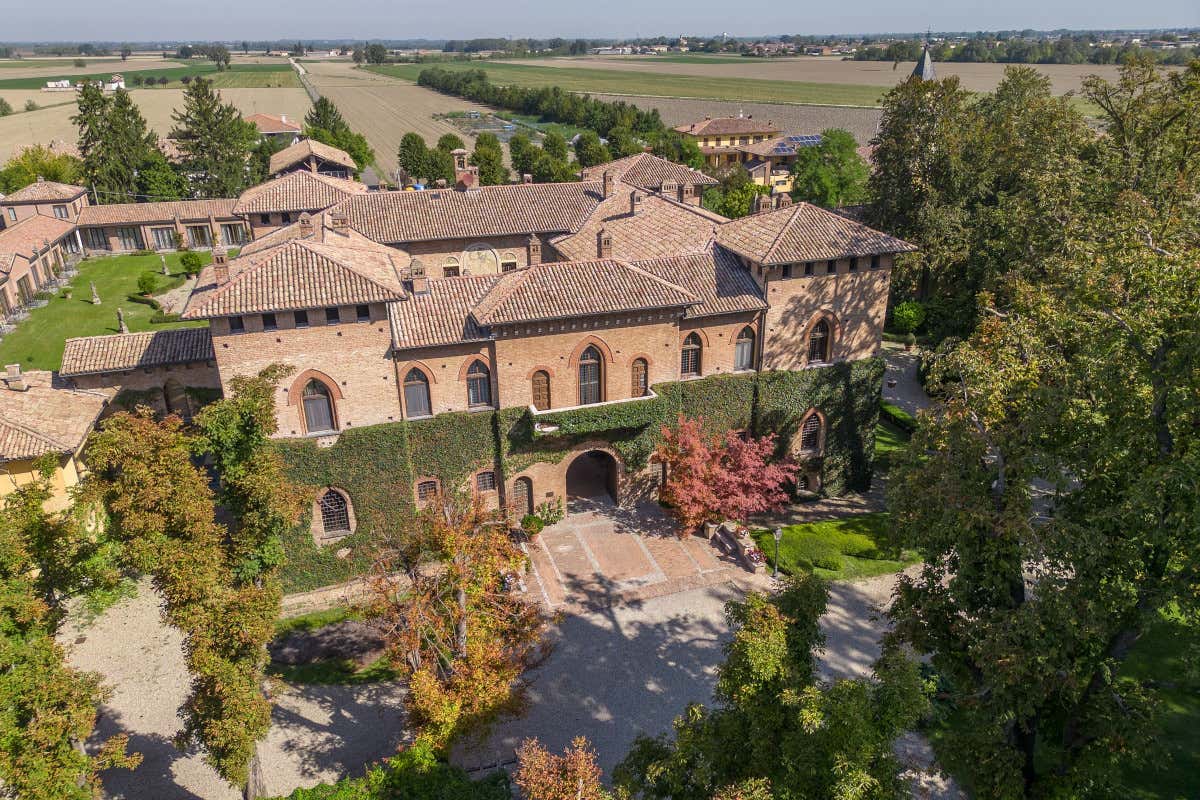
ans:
x=635 y=202
x=604 y=243
x=420 y=283
x=534 y=247
x=526 y=178
x=441 y=183
x=609 y=183
x=783 y=200
x=219 y=254
x=306 y=226
x=40 y=179
x=762 y=203
x=13 y=378
x=339 y=222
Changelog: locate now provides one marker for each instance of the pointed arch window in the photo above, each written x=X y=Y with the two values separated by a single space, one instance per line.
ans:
x=743 y=350
x=591 y=371
x=640 y=379
x=318 y=407
x=689 y=360
x=416 y=394
x=479 y=385
x=818 y=342
x=541 y=390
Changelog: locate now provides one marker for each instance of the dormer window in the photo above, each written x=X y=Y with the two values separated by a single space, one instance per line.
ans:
x=809 y=268
x=332 y=317
x=362 y=313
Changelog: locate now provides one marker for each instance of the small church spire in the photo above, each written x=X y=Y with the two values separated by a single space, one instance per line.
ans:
x=924 y=68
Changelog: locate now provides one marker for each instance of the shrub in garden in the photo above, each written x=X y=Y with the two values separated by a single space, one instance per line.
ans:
x=191 y=262
x=147 y=283
x=908 y=316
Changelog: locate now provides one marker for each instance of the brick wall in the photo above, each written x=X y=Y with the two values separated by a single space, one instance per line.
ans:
x=855 y=303
x=436 y=256
x=352 y=358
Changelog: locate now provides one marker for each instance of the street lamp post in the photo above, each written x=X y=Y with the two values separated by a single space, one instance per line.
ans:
x=778 y=535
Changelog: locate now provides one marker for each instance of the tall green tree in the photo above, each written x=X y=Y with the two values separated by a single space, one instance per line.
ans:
x=324 y=114
x=413 y=155
x=776 y=731
x=219 y=583
x=1053 y=494
x=489 y=157
x=522 y=153
x=831 y=174
x=215 y=141
x=49 y=708
x=555 y=146
x=450 y=142
x=325 y=124
x=590 y=151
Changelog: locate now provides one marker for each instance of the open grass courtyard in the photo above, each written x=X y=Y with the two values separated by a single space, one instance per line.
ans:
x=37 y=343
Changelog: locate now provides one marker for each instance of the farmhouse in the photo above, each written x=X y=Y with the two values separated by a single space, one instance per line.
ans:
x=719 y=137
x=45 y=198
x=278 y=127
x=512 y=341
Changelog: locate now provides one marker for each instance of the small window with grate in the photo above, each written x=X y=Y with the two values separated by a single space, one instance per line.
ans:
x=335 y=513
x=485 y=481
x=426 y=491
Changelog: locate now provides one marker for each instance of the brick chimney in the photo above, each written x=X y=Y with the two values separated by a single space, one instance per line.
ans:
x=609 y=183
x=669 y=189
x=440 y=183
x=339 y=223
x=220 y=267
x=13 y=379
x=40 y=179
x=635 y=202
x=783 y=200
x=526 y=178
x=416 y=271
x=534 y=248
x=603 y=244
x=306 y=226
x=762 y=203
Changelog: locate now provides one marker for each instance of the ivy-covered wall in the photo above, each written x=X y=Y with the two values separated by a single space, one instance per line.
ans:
x=378 y=465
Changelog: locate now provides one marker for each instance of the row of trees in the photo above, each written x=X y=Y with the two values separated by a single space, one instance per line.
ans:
x=1052 y=495
x=1066 y=49
x=611 y=120
x=419 y=161
x=219 y=585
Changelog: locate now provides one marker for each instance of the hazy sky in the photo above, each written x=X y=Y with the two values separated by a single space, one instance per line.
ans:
x=142 y=20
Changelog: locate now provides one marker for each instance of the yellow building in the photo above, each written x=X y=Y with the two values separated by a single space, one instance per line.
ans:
x=720 y=137
x=41 y=417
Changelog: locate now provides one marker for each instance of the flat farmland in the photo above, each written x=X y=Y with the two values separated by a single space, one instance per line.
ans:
x=65 y=67
x=861 y=122
x=238 y=75
x=383 y=109
x=821 y=70
x=157 y=105
x=655 y=80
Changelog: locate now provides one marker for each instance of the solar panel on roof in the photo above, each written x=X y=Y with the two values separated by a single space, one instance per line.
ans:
x=804 y=141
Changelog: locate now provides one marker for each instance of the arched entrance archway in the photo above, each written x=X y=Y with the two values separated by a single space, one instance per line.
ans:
x=593 y=476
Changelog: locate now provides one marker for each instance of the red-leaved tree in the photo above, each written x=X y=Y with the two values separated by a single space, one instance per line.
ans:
x=713 y=478
x=542 y=775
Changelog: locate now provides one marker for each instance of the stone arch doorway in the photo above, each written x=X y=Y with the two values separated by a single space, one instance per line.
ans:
x=592 y=477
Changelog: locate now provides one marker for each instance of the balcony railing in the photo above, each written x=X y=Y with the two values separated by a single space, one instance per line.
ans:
x=551 y=421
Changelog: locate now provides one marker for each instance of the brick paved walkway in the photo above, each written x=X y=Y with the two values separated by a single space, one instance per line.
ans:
x=601 y=555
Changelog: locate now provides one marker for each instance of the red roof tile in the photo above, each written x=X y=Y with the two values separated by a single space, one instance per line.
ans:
x=165 y=212
x=297 y=191
x=804 y=232
x=92 y=354
x=41 y=191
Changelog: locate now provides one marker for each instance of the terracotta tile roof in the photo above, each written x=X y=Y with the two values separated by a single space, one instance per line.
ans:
x=560 y=290
x=321 y=230
x=301 y=273
x=441 y=316
x=648 y=171
x=47 y=418
x=302 y=150
x=396 y=217
x=716 y=277
x=91 y=354
x=165 y=212
x=804 y=232
x=725 y=126
x=660 y=228
x=42 y=191
x=23 y=237
x=270 y=123
x=296 y=191
x=170 y=150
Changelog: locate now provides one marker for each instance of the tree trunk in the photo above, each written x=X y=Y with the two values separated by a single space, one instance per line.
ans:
x=255 y=782
x=462 y=622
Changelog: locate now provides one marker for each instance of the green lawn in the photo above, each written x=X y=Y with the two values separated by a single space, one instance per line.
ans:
x=604 y=81
x=837 y=549
x=238 y=75
x=37 y=343
x=1166 y=654
x=889 y=439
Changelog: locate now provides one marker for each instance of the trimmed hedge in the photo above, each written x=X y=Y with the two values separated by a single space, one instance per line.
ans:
x=898 y=417
x=378 y=465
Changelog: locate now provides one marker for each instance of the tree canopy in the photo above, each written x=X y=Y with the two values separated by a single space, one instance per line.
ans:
x=831 y=174
x=215 y=141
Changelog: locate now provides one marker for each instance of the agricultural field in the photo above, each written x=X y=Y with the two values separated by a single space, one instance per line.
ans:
x=383 y=109
x=659 y=82
x=861 y=122
x=820 y=70
x=157 y=105
x=239 y=75
x=46 y=68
